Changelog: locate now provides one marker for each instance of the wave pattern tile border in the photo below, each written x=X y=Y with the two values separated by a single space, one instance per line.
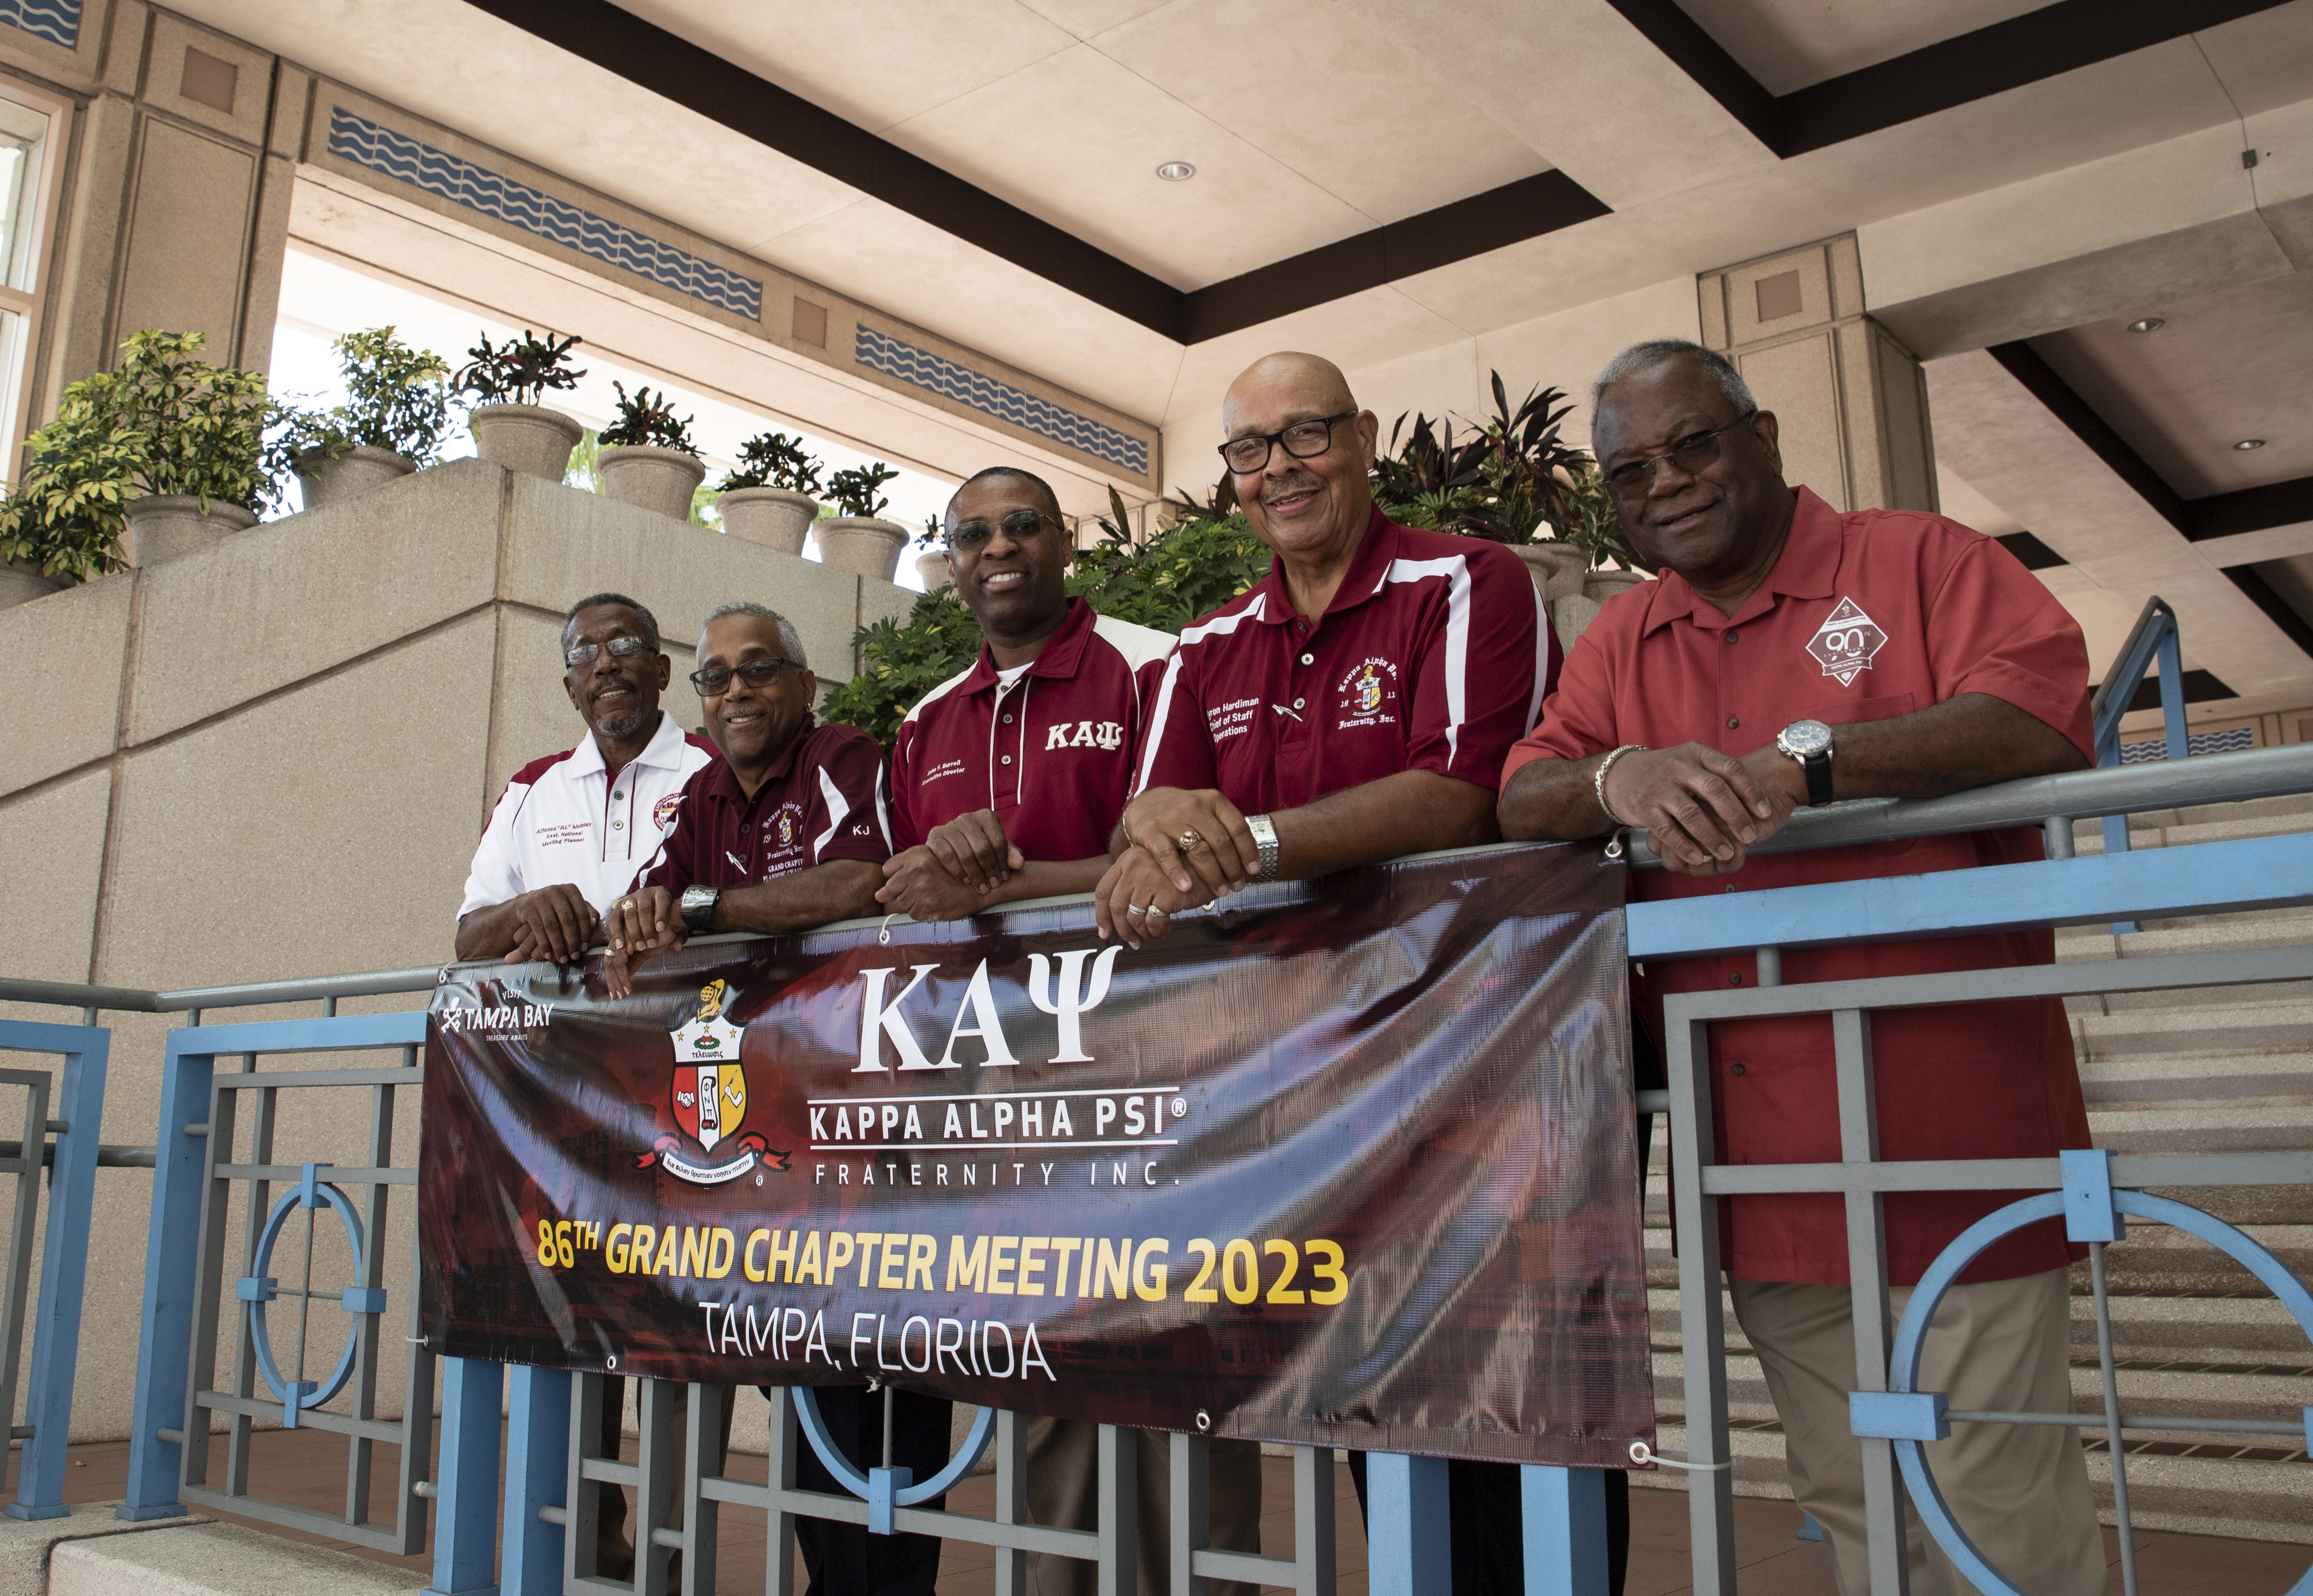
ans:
x=55 y=21
x=2144 y=750
x=477 y=187
x=881 y=352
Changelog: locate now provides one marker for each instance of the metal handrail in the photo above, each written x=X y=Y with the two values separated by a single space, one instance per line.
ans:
x=2156 y=623
x=304 y=989
x=2078 y=795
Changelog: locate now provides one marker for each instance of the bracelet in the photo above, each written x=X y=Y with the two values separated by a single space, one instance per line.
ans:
x=1599 y=779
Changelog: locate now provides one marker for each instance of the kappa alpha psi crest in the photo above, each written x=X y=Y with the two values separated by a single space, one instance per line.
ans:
x=708 y=1094
x=1846 y=641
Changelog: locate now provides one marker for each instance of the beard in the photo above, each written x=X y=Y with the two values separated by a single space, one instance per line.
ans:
x=626 y=725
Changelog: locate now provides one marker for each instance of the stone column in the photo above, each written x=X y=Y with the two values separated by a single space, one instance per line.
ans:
x=1851 y=401
x=175 y=189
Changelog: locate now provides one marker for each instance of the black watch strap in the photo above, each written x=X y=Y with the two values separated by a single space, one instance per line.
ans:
x=1818 y=778
x=698 y=907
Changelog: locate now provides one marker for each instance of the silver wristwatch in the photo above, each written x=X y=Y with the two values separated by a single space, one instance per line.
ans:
x=697 y=907
x=1264 y=838
x=1809 y=742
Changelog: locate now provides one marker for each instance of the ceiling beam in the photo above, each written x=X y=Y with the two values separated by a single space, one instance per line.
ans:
x=1938 y=78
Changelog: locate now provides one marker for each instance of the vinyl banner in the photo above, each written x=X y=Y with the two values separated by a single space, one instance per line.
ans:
x=1348 y=1162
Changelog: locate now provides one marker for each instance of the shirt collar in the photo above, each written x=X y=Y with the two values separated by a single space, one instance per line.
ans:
x=722 y=782
x=665 y=751
x=1062 y=652
x=1808 y=568
x=1376 y=552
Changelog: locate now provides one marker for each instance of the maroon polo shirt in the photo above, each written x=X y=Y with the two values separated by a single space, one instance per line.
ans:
x=1051 y=752
x=821 y=801
x=1865 y=616
x=1435 y=654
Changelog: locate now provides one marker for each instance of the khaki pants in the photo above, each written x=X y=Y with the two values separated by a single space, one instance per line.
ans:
x=2020 y=1491
x=1064 y=1470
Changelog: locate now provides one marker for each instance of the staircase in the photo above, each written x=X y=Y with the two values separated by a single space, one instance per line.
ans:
x=2215 y=1070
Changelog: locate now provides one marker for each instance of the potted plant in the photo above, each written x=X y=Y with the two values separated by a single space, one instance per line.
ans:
x=510 y=427
x=768 y=499
x=647 y=458
x=397 y=408
x=161 y=455
x=855 y=541
x=931 y=564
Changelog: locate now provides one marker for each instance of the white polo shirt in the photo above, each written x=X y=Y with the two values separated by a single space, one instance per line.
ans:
x=563 y=819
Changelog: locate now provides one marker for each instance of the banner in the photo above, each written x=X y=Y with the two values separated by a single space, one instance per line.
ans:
x=1348 y=1163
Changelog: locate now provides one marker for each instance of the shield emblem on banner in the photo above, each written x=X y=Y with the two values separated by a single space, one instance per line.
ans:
x=709 y=1089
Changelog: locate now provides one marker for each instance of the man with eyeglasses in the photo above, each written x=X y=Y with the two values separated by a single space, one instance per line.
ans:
x=1354 y=705
x=1791 y=654
x=1007 y=778
x=572 y=831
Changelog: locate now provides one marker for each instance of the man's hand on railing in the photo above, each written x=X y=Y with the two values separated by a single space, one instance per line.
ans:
x=639 y=923
x=1136 y=899
x=1706 y=809
x=555 y=922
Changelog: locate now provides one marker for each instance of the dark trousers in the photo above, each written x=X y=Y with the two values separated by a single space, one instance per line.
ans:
x=844 y=1559
x=1484 y=1512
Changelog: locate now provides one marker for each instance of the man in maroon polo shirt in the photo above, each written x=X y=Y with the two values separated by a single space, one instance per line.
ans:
x=1009 y=778
x=1790 y=654
x=1353 y=705
x=787 y=831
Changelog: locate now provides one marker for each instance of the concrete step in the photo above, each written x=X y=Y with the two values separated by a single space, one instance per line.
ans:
x=2213 y=934
x=2277 y=820
x=2201 y=1031
x=2242 y=1084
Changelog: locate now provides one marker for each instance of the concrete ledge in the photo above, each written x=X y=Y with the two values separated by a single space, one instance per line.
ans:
x=26 y=1549
x=212 y=1559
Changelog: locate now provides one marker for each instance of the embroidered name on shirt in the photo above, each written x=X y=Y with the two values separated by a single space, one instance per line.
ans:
x=1107 y=734
x=1233 y=719
x=568 y=831
x=1844 y=644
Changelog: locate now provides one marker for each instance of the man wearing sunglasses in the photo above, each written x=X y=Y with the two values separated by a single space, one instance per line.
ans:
x=788 y=831
x=1009 y=778
x=573 y=830
x=1791 y=654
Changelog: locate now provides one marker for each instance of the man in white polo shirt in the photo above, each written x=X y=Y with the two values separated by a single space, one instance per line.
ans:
x=570 y=833
x=573 y=830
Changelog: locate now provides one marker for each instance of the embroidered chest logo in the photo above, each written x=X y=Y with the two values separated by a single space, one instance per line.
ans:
x=1845 y=642
x=1367 y=695
x=664 y=811
x=1102 y=734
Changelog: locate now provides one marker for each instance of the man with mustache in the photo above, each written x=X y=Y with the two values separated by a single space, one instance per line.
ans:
x=1353 y=705
x=1793 y=655
x=572 y=831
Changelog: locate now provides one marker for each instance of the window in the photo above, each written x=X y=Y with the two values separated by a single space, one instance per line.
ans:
x=32 y=125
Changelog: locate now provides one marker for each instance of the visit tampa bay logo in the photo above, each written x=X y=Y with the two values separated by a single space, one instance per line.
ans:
x=708 y=1094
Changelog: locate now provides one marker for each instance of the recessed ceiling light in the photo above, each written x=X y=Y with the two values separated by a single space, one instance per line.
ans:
x=2245 y=444
x=2150 y=324
x=1176 y=171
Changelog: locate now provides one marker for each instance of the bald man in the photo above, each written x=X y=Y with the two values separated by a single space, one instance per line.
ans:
x=1354 y=705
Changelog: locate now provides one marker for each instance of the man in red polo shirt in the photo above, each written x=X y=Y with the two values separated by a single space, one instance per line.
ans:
x=1790 y=654
x=1009 y=778
x=1353 y=705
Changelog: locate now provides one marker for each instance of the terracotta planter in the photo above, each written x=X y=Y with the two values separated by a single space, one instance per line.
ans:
x=1557 y=567
x=660 y=479
x=932 y=567
x=355 y=471
x=21 y=584
x=863 y=545
x=774 y=517
x=163 y=526
x=531 y=439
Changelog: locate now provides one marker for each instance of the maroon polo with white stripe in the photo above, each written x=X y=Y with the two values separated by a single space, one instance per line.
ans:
x=1435 y=654
x=1051 y=752
x=819 y=803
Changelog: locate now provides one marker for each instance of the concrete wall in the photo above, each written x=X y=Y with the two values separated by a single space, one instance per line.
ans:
x=271 y=758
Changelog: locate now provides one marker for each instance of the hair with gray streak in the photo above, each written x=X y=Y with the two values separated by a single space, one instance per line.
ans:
x=788 y=637
x=595 y=600
x=1640 y=358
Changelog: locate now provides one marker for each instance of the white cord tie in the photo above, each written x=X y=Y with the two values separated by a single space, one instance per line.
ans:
x=1643 y=1454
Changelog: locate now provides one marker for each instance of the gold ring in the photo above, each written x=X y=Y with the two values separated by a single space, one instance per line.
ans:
x=1192 y=839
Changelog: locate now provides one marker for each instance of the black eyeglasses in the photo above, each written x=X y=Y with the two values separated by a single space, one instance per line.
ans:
x=1303 y=440
x=1019 y=526
x=714 y=681
x=1690 y=454
x=621 y=647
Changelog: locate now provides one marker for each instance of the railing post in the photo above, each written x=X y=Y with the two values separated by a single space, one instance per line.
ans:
x=1565 y=1530
x=466 y=1483
x=1702 y=1308
x=1867 y=1274
x=1409 y=1540
x=165 y=1323
x=538 y=1463
x=1120 y=1511
x=1190 y=1464
x=64 y=1270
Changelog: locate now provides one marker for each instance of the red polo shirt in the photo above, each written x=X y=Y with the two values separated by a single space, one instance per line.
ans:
x=1050 y=753
x=823 y=800
x=1865 y=616
x=1435 y=655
